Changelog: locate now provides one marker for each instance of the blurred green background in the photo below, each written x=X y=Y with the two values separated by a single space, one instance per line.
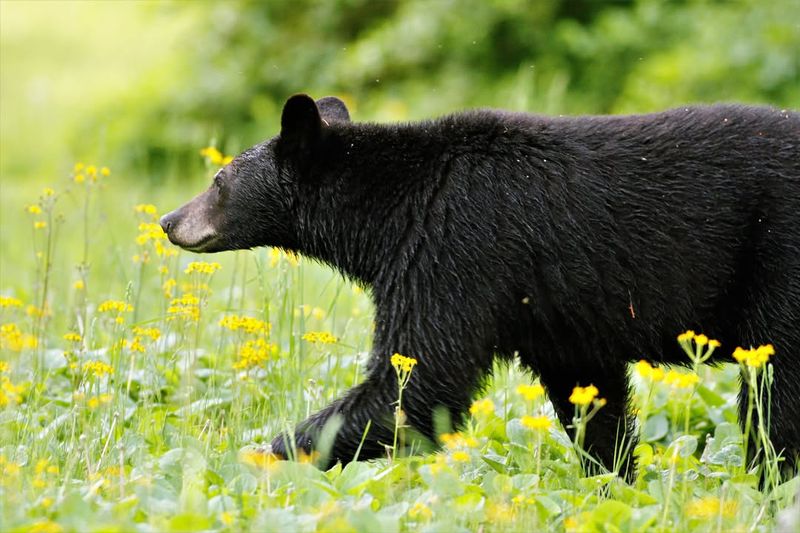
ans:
x=142 y=86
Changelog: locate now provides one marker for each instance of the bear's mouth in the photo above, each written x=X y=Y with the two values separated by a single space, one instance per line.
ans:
x=204 y=245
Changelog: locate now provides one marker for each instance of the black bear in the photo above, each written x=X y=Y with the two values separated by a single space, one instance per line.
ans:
x=577 y=244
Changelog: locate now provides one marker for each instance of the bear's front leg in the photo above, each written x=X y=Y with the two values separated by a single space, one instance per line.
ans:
x=367 y=411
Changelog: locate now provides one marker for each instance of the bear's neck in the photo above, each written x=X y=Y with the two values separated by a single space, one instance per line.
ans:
x=366 y=208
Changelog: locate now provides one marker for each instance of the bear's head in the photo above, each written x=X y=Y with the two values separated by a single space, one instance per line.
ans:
x=252 y=200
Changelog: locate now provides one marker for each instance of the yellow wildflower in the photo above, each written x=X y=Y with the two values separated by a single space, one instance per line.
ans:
x=34 y=209
x=484 y=407
x=78 y=167
x=401 y=363
x=147 y=209
x=45 y=526
x=79 y=285
x=420 y=511
x=259 y=459
x=710 y=507
x=246 y=324
x=321 y=337
x=460 y=456
x=150 y=231
x=98 y=369
x=644 y=369
x=686 y=336
x=48 y=191
x=202 y=267
x=114 y=306
x=215 y=157
x=12 y=338
x=701 y=340
x=4 y=367
x=72 y=337
x=253 y=353
x=169 y=287
x=530 y=392
x=583 y=395
x=39 y=224
x=105 y=171
x=10 y=393
x=36 y=312
x=153 y=333
x=754 y=357
x=540 y=422
x=187 y=307
x=9 y=301
x=681 y=380
x=79 y=178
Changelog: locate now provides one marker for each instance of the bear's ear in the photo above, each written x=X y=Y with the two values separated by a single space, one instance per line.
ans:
x=331 y=108
x=301 y=122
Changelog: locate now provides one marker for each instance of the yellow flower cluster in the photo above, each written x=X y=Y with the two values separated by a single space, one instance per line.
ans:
x=10 y=393
x=253 y=353
x=276 y=254
x=401 y=363
x=323 y=337
x=186 y=307
x=114 y=306
x=80 y=172
x=36 y=312
x=147 y=209
x=247 y=324
x=98 y=369
x=530 y=392
x=259 y=459
x=754 y=357
x=10 y=301
x=201 y=267
x=540 y=422
x=149 y=231
x=12 y=338
x=647 y=371
x=215 y=157
x=153 y=333
x=699 y=339
x=420 y=511
x=169 y=287
x=460 y=456
x=94 y=401
x=681 y=380
x=484 y=407
x=454 y=441
x=710 y=507
x=71 y=336
x=583 y=395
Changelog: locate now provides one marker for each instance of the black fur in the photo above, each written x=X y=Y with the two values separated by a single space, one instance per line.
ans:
x=580 y=244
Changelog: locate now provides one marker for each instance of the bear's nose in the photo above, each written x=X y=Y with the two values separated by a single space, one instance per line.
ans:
x=166 y=222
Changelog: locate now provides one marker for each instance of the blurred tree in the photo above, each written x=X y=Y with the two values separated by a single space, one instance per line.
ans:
x=397 y=60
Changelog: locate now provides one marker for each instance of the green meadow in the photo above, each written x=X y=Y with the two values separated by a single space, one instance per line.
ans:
x=140 y=384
